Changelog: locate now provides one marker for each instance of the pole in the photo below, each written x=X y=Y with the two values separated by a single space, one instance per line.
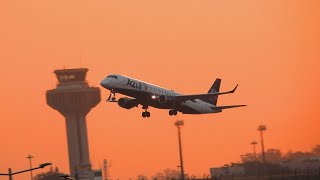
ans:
x=178 y=124
x=10 y=174
x=262 y=128
x=179 y=169
x=30 y=162
x=180 y=151
x=105 y=169
x=254 y=143
x=262 y=147
x=254 y=151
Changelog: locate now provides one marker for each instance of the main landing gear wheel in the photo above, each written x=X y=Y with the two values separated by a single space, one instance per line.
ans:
x=145 y=114
x=173 y=112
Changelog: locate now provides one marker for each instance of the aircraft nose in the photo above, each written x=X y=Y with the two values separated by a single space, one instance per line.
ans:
x=105 y=83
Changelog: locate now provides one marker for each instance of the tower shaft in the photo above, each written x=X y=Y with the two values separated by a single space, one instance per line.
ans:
x=78 y=148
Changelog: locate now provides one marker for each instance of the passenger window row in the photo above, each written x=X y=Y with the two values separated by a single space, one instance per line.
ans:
x=161 y=91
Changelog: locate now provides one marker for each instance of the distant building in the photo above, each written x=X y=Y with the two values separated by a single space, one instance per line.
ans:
x=97 y=174
x=309 y=163
x=228 y=170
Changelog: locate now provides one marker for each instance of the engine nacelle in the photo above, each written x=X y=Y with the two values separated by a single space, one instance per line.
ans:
x=127 y=103
x=164 y=99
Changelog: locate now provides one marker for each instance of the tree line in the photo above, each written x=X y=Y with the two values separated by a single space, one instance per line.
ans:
x=276 y=156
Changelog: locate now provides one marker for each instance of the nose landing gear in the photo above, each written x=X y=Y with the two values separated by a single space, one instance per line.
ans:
x=112 y=97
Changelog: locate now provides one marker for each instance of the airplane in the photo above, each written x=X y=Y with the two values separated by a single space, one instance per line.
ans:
x=147 y=94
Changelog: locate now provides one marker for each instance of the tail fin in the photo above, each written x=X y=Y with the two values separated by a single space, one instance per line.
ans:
x=214 y=88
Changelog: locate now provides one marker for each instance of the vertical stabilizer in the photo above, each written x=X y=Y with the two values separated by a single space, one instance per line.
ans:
x=214 y=88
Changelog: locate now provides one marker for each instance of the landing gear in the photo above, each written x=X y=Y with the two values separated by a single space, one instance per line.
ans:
x=112 y=97
x=173 y=112
x=145 y=113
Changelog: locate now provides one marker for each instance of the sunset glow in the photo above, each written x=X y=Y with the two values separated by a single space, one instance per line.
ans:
x=270 y=48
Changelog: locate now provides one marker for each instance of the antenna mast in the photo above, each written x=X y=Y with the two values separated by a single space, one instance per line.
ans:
x=105 y=169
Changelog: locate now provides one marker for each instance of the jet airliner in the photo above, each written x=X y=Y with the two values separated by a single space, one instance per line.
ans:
x=146 y=94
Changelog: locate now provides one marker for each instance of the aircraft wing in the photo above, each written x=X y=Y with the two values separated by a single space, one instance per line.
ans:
x=182 y=98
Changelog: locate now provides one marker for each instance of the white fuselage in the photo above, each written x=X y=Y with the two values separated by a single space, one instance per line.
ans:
x=138 y=89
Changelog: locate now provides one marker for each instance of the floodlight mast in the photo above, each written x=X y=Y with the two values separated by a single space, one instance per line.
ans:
x=180 y=123
x=261 y=129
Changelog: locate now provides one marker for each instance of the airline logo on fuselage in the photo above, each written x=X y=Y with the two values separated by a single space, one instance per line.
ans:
x=136 y=84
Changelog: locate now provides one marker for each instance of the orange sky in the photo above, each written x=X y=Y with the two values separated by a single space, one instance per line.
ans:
x=271 y=48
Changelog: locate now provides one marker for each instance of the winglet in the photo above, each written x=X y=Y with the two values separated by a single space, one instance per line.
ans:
x=234 y=89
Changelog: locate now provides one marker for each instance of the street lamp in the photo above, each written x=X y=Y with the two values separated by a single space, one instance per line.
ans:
x=30 y=161
x=254 y=143
x=180 y=123
x=66 y=176
x=10 y=174
x=179 y=169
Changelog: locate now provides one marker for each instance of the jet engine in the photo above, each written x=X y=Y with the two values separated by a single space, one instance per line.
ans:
x=164 y=99
x=127 y=103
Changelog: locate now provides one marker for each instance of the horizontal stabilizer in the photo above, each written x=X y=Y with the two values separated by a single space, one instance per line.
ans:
x=226 y=107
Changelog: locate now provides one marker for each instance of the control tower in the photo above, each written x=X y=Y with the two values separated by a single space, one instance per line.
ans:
x=73 y=98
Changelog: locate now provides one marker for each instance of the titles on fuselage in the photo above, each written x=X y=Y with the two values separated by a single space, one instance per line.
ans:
x=136 y=84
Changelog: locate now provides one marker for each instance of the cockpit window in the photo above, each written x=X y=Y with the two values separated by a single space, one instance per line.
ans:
x=112 y=76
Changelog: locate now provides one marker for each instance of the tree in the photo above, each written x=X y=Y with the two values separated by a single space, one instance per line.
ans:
x=167 y=174
x=297 y=155
x=248 y=157
x=158 y=176
x=171 y=174
x=142 y=177
x=50 y=175
x=273 y=156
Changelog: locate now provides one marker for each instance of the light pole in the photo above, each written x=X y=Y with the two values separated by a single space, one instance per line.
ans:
x=262 y=128
x=179 y=169
x=105 y=167
x=30 y=161
x=180 y=123
x=10 y=173
x=254 y=143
